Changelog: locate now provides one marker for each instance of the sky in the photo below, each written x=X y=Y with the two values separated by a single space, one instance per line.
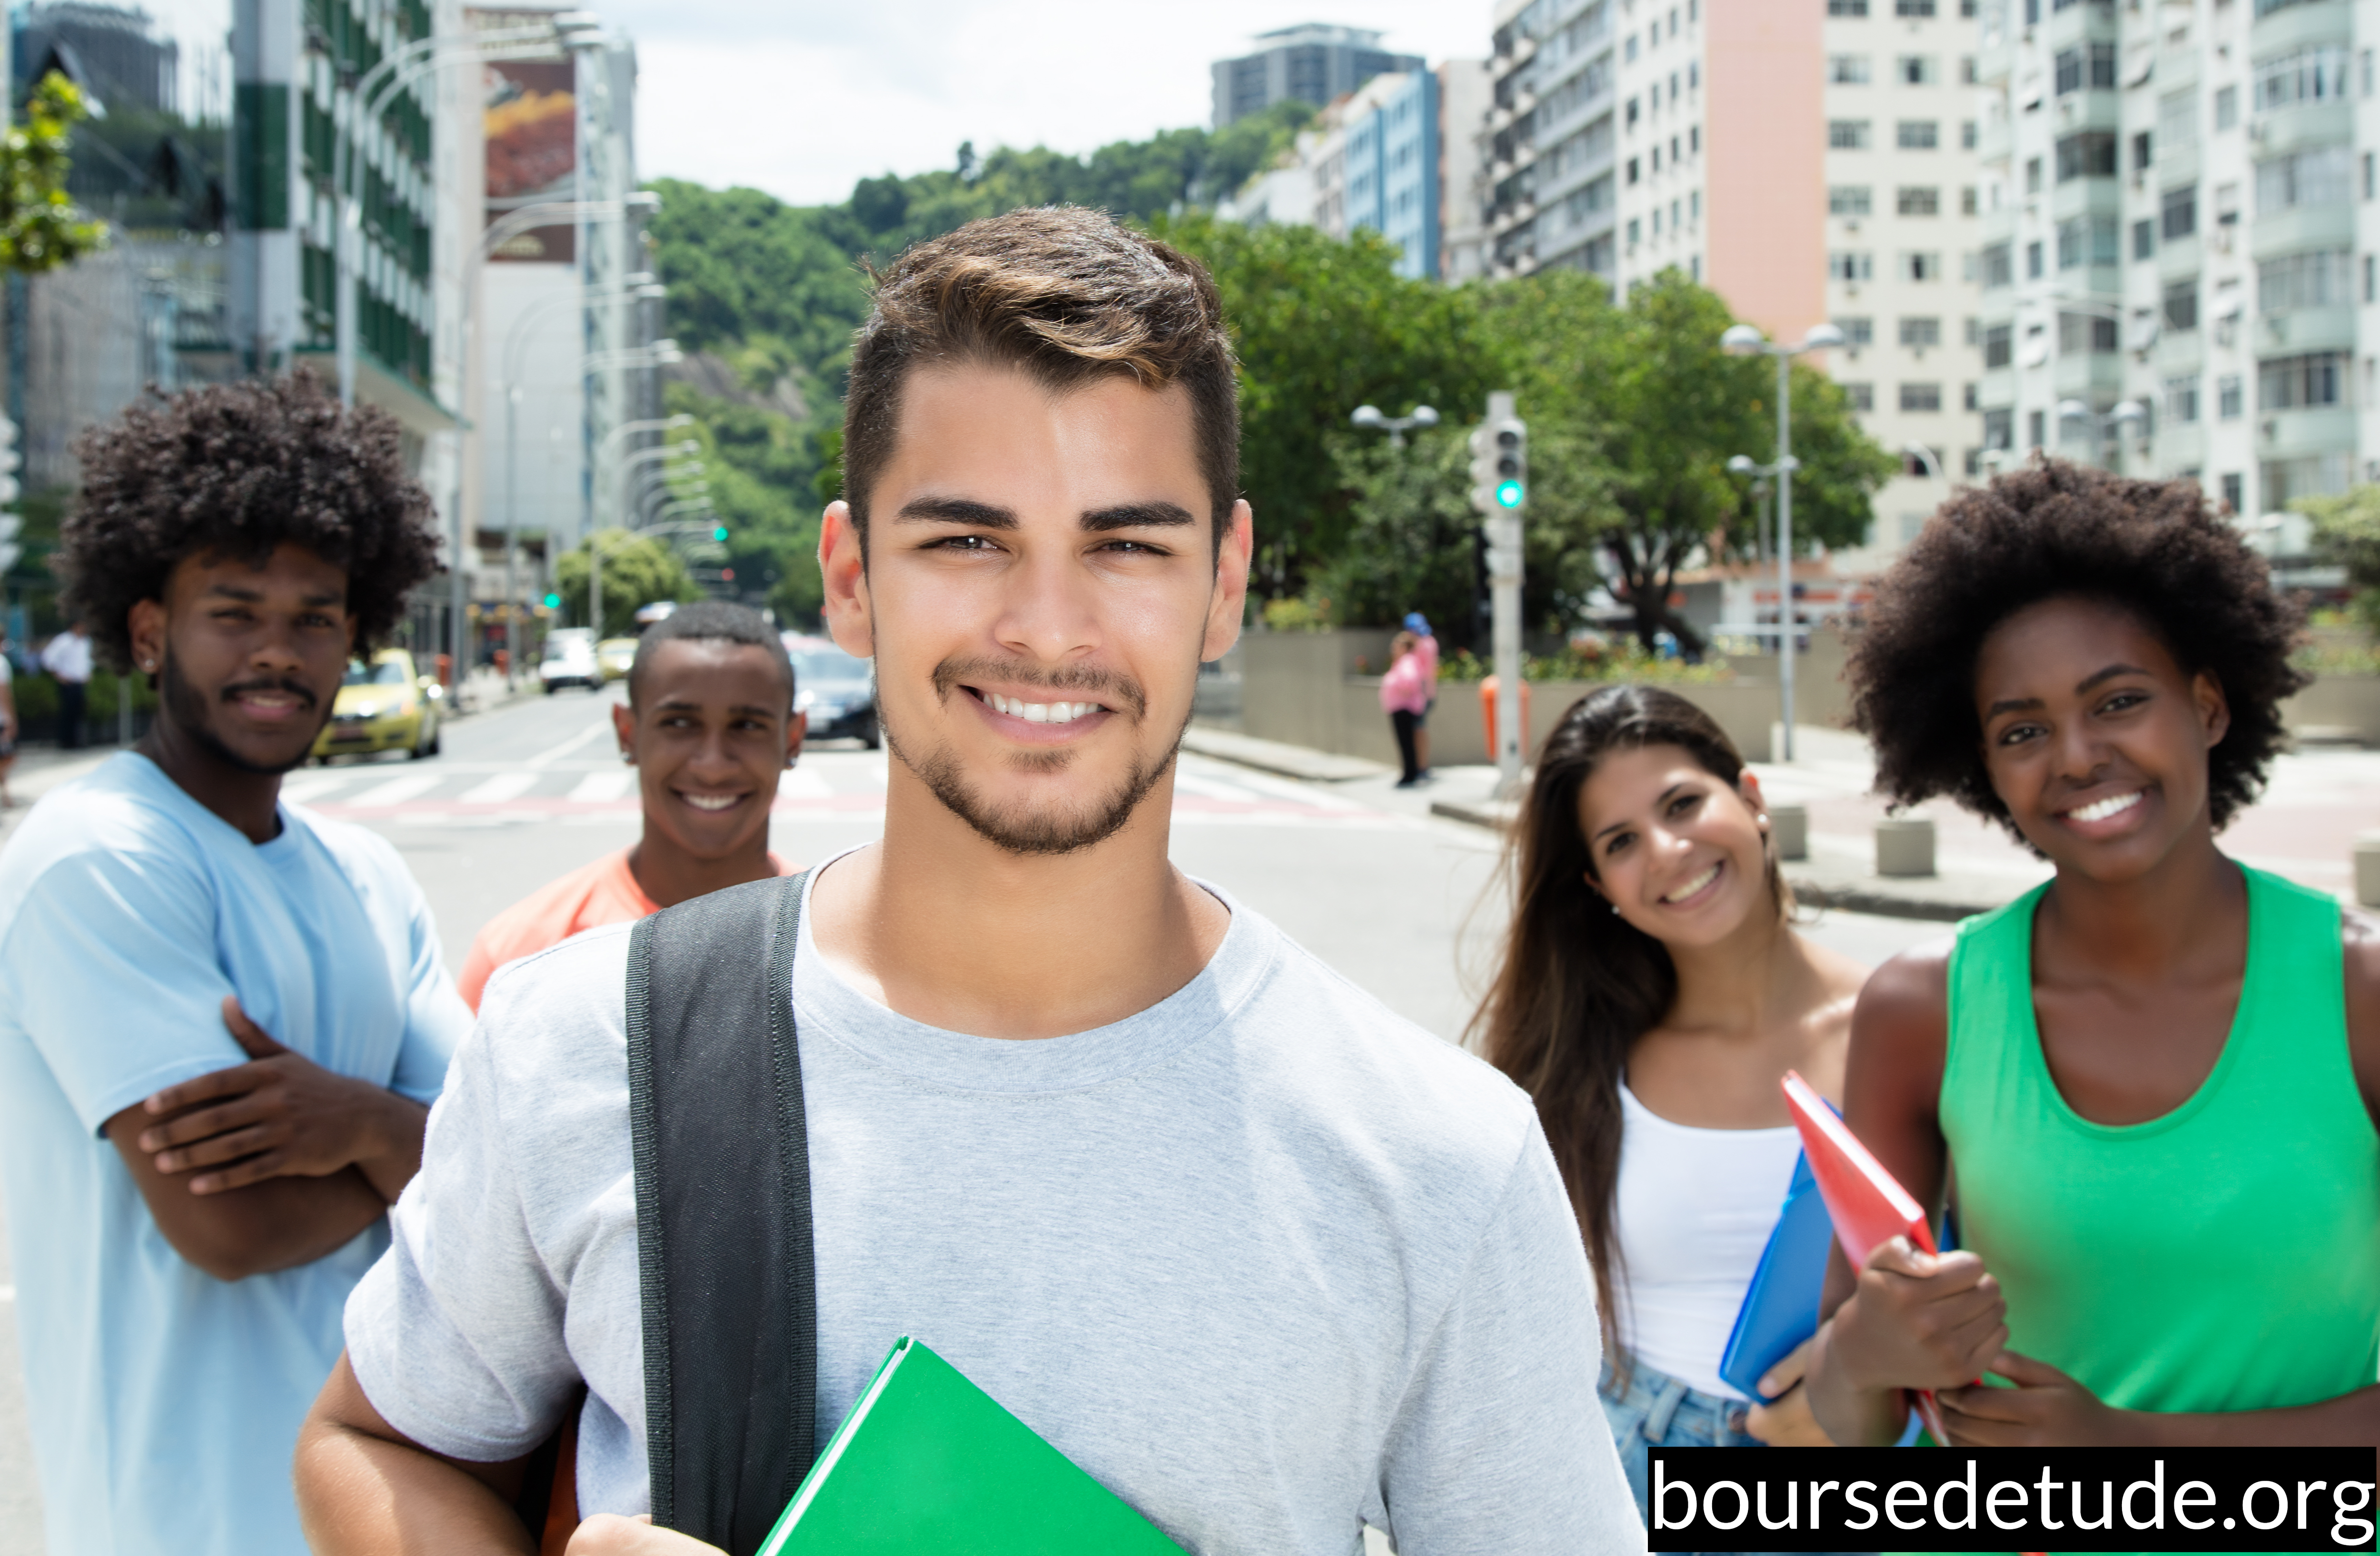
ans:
x=802 y=99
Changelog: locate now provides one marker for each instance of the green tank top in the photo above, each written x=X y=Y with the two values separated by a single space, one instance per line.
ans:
x=2225 y=1257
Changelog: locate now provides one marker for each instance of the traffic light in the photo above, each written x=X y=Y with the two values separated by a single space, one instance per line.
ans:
x=553 y=601
x=719 y=533
x=1500 y=465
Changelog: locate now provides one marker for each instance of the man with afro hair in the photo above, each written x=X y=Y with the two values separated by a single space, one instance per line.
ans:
x=223 y=1018
x=2148 y=1090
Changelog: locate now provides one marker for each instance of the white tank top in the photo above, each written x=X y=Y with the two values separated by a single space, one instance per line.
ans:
x=1694 y=1211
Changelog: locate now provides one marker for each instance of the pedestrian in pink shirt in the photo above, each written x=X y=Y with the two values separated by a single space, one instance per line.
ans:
x=1404 y=697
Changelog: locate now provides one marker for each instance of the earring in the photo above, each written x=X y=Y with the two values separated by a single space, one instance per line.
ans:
x=629 y=758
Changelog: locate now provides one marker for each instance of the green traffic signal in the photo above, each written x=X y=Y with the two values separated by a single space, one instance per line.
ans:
x=1508 y=493
x=719 y=533
x=553 y=602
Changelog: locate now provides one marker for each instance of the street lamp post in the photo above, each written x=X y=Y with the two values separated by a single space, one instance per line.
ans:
x=1420 y=416
x=2123 y=415
x=1745 y=340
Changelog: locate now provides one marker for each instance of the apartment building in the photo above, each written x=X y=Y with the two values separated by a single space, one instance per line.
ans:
x=1904 y=201
x=1312 y=63
x=1549 y=140
x=2178 y=271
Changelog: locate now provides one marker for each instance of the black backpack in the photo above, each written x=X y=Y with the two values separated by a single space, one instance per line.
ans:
x=722 y=1178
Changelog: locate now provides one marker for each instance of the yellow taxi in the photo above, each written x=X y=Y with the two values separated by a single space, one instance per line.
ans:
x=386 y=705
x=613 y=655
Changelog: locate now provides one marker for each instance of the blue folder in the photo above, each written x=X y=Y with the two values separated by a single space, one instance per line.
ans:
x=1780 y=1309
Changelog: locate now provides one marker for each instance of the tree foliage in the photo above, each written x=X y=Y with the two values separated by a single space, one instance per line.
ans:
x=638 y=570
x=2347 y=534
x=41 y=226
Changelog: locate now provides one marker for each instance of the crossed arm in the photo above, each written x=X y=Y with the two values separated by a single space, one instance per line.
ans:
x=269 y=1164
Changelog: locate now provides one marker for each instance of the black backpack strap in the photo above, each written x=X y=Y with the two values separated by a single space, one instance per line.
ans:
x=722 y=1212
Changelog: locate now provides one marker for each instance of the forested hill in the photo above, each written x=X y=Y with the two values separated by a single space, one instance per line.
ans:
x=764 y=298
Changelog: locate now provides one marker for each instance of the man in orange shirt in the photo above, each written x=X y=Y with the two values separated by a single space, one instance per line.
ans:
x=710 y=727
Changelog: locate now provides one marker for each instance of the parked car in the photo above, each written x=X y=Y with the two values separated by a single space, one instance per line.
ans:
x=837 y=691
x=570 y=660
x=613 y=655
x=386 y=705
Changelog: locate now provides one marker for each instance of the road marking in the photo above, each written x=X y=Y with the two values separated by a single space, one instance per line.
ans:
x=307 y=790
x=502 y=787
x=396 y=791
x=804 y=783
x=576 y=742
x=598 y=787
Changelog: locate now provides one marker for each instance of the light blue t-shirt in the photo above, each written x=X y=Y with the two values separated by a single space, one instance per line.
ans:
x=165 y=1403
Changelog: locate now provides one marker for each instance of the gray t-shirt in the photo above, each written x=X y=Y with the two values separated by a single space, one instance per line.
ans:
x=1267 y=1260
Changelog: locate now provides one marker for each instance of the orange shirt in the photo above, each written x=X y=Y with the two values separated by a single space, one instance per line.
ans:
x=603 y=893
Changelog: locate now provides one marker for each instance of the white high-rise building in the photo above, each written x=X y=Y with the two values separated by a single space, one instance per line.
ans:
x=2179 y=258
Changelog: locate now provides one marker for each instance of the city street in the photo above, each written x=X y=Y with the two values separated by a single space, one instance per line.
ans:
x=1359 y=872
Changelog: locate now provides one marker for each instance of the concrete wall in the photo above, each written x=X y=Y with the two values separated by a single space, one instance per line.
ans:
x=2337 y=708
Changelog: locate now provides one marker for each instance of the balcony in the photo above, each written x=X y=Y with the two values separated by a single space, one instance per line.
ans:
x=2306 y=329
x=2080 y=196
x=2179 y=259
x=2098 y=109
x=2304 y=124
x=2084 y=373
x=1991 y=141
x=2179 y=352
x=2180 y=446
x=2317 y=429
x=2318 y=21
x=2303 y=227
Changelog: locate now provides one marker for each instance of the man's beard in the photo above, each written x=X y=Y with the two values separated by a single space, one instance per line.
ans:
x=187 y=708
x=1043 y=833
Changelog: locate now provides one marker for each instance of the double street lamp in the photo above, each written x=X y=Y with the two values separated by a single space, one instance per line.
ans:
x=1397 y=426
x=1746 y=340
x=2124 y=416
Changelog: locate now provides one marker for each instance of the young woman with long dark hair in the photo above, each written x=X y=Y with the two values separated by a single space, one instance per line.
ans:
x=2153 y=1081
x=1653 y=992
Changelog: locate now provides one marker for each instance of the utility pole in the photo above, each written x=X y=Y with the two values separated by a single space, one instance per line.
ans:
x=1499 y=475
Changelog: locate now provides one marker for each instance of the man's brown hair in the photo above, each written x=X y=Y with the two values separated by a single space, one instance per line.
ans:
x=1067 y=295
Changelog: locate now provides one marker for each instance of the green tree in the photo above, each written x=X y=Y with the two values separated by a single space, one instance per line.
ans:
x=1412 y=536
x=1322 y=326
x=638 y=570
x=41 y=226
x=2347 y=534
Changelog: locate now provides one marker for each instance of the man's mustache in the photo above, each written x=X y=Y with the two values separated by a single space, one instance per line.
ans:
x=1102 y=684
x=267 y=683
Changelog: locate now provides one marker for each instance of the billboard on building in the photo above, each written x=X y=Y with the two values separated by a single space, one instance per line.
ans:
x=531 y=133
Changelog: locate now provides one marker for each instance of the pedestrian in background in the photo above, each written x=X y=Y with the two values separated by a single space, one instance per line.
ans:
x=1404 y=697
x=2154 y=1080
x=222 y=1018
x=67 y=659
x=1653 y=993
x=1426 y=646
x=709 y=726
x=8 y=719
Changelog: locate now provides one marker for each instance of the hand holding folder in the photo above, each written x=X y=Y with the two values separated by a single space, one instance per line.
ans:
x=1867 y=1204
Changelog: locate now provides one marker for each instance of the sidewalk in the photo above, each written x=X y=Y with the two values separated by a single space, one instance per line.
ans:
x=2304 y=828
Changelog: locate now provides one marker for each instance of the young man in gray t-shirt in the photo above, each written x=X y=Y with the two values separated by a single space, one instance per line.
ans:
x=1267 y=1260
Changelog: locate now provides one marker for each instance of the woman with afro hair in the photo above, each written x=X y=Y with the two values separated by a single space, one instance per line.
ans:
x=2146 y=1090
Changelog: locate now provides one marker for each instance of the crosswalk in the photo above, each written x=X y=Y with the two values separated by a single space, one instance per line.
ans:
x=546 y=791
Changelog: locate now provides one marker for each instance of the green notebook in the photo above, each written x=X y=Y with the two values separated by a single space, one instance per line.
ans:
x=927 y=1462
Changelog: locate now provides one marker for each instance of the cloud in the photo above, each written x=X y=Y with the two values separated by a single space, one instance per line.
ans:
x=803 y=101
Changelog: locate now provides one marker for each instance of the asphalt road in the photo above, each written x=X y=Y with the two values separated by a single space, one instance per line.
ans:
x=1402 y=903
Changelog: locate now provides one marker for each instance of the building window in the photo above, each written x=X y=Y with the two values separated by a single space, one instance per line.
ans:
x=1631 y=112
x=2141 y=151
x=2317 y=74
x=1848 y=264
x=2177 y=118
x=1918 y=199
x=2181 y=399
x=2226 y=107
x=1847 y=8
x=2371 y=280
x=1857 y=332
x=1632 y=171
x=2033 y=425
x=1695 y=138
x=1859 y=398
x=1999 y=428
x=1919 y=135
x=1912 y=8
x=2144 y=238
x=1967 y=400
x=1918 y=70
x=2081 y=334
x=2317 y=177
x=2181 y=306
x=1847 y=69
x=1636 y=232
x=1847 y=134
x=1918 y=333
x=2033 y=174
x=2091 y=154
x=1967 y=203
x=2315 y=279
x=2178 y=212
x=1998 y=342
x=2231 y=492
x=2228 y=397
x=1630 y=48
x=1920 y=397
x=1921 y=265
x=2087 y=241
x=2367 y=176
x=1998 y=270
x=2032 y=261
x=2296 y=383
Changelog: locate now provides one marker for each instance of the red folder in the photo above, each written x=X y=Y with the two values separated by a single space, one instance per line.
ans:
x=1868 y=1205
